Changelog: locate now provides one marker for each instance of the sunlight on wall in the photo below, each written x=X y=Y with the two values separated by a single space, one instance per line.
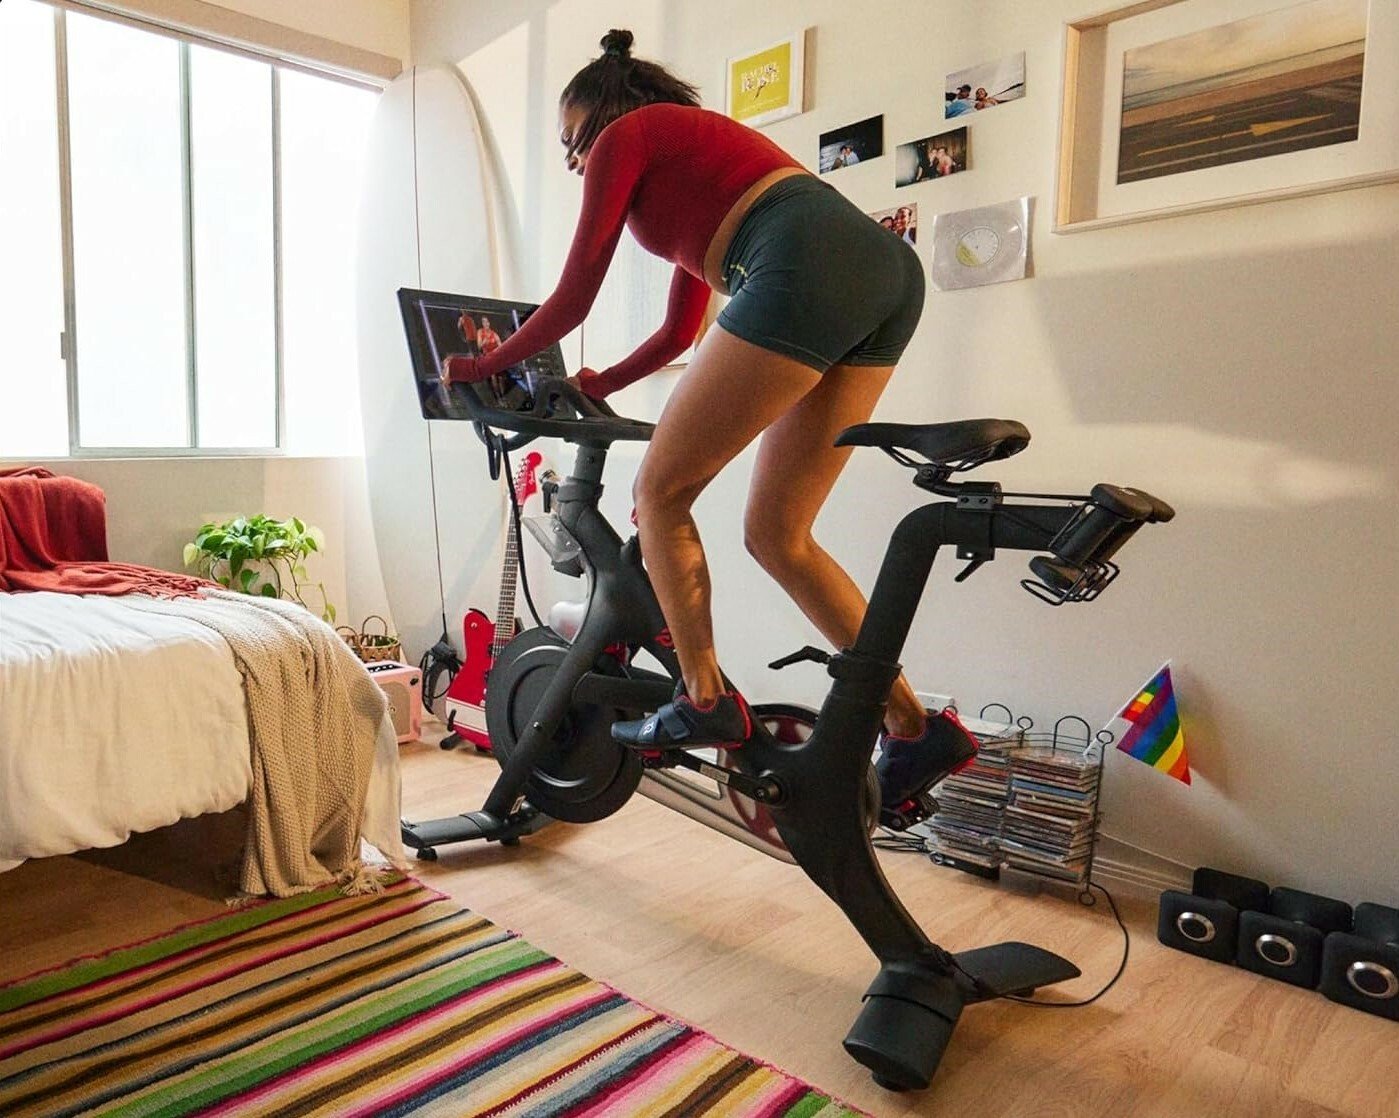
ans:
x=499 y=79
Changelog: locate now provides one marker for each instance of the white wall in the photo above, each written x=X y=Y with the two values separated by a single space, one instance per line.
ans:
x=380 y=26
x=1238 y=363
x=155 y=505
x=377 y=25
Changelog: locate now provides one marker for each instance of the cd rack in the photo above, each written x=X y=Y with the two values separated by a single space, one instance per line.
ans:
x=1028 y=803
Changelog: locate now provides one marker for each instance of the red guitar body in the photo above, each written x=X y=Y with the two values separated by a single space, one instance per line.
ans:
x=482 y=639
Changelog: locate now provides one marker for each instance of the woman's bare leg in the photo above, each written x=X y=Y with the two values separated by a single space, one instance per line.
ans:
x=780 y=515
x=730 y=393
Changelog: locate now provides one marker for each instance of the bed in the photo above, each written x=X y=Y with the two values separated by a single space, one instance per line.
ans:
x=124 y=712
x=114 y=721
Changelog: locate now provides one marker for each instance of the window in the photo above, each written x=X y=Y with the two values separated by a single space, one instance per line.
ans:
x=320 y=352
x=196 y=211
x=33 y=379
x=235 y=276
x=128 y=235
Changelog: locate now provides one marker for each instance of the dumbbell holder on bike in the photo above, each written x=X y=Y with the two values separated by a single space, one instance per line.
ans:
x=551 y=701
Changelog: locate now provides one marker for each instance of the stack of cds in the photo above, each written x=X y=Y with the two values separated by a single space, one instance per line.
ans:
x=965 y=830
x=1052 y=810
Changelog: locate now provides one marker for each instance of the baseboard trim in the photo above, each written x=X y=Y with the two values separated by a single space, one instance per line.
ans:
x=1137 y=871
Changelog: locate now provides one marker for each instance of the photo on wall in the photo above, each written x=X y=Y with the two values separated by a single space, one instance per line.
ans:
x=934 y=157
x=985 y=86
x=902 y=221
x=852 y=144
x=1279 y=82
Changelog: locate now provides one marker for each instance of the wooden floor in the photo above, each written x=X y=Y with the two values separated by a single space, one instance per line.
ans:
x=745 y=948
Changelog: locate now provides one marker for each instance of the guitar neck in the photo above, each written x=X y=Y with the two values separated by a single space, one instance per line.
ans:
x=505 y=604
x=520 y=489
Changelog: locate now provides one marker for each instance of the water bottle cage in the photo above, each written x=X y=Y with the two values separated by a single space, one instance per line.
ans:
x=1078 y=567
x=1086 y=582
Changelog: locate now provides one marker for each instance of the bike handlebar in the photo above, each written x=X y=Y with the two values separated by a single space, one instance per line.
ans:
x=560 y=409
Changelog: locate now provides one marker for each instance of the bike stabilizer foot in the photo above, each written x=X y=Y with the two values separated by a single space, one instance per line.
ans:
x=909 y=1013
x=912 y=1007
x=424 y=837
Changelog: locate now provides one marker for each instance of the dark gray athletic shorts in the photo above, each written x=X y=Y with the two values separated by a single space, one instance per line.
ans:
x=816 y=279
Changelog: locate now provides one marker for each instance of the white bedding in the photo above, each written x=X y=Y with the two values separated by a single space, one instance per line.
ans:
x=115 y=720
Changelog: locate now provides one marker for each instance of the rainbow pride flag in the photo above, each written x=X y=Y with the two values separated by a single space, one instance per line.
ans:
x=1156 y=736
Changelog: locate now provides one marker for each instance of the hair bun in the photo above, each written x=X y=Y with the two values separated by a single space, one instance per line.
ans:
x=617 y=43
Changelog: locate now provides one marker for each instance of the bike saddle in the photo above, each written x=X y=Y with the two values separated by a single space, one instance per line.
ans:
x=958 y=445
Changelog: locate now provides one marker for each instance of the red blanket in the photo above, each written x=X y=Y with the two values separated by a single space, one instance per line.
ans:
x=53 y=536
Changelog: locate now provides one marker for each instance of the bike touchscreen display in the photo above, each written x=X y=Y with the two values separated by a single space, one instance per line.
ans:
x=440 y=324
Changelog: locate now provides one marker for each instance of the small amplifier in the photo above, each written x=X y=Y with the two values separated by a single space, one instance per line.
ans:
x=1276 y=947
x=1198 y=925
x=403 y=685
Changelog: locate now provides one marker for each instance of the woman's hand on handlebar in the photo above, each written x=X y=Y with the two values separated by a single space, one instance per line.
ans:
x=586 y=381
x=459 y=367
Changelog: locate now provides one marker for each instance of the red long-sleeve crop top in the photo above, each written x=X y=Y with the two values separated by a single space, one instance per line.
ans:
x=670 y=173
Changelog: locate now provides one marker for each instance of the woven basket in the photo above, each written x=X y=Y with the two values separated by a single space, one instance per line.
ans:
x=349 y=636
x=378 y=646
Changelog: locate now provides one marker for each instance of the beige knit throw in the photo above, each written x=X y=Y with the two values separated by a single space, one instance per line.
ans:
x=314 y=715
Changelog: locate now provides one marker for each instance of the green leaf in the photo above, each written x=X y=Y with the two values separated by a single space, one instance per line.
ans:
x=299 y=572
x=222 y=580
x=247 y=578
x=317 y=537
x=330 y=613
x=259 y=545
x=268 y=590
x=297 y=524
x=191 y=553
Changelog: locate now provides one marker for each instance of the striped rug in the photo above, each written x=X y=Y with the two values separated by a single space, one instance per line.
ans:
x=394 y=1003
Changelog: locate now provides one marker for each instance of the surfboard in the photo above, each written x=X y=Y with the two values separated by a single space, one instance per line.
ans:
x=426 y=221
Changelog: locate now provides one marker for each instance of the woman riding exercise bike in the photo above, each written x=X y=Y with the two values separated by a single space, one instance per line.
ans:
x=802 y=351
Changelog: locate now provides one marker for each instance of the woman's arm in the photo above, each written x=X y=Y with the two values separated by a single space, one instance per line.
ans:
x=685 y=309
x=614 y=168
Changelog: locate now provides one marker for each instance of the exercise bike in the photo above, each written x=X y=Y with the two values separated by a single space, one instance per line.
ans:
x=802 y=788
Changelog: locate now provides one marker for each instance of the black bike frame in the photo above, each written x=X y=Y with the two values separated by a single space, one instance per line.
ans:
x=813 y=789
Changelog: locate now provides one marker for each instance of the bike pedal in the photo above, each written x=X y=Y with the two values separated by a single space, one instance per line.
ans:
x=909 y=813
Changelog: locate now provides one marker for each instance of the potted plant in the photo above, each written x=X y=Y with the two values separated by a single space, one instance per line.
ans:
x=259 y=555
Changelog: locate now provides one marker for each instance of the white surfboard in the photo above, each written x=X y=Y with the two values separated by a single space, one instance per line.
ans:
x=425 y=222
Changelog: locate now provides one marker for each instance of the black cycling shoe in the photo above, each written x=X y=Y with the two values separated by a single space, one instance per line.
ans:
x=680 y=724
x=908 y=767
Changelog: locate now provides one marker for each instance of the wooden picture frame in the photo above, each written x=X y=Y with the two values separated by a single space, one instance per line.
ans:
x=1091 y=192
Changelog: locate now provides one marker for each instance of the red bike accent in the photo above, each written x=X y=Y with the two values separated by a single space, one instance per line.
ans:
x=482 y=639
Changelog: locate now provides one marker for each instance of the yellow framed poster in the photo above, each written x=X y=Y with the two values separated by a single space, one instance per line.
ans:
x=768 y=84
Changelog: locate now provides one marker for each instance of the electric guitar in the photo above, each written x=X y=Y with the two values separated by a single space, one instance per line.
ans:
x=483 y=639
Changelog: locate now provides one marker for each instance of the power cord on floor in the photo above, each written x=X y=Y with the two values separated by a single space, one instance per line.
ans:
x=912 y=844
x=902 y=842
x=1111 y=982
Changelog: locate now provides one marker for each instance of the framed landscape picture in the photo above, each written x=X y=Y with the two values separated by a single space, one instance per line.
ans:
x=1173 y=106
